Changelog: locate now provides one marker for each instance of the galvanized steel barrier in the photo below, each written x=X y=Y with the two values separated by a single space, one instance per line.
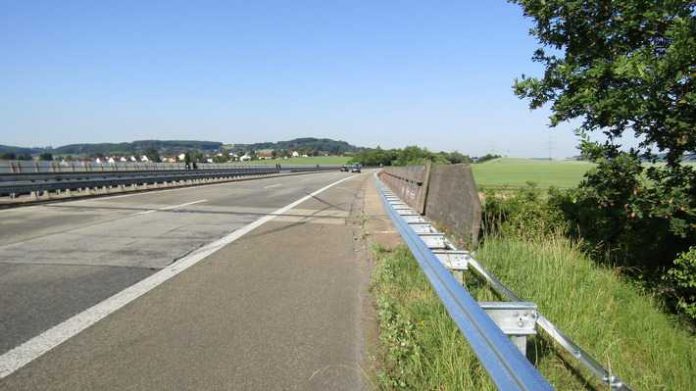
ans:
x=496 y=331
x=18 y=178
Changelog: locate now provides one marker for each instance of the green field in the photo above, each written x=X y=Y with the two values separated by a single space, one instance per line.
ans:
x=321 y=160
x=517 y=172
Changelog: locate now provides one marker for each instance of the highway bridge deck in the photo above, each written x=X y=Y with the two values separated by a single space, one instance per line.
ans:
x=279 y=308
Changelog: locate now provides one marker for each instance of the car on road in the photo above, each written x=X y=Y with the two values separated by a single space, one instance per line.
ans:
x=345 y=168
x=356 y=168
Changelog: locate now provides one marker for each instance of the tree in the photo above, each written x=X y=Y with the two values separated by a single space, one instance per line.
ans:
x=221 y=158
x=153 y=155
x=487 y=157
x=456 y=157
x=46 y=156
x=623 y=67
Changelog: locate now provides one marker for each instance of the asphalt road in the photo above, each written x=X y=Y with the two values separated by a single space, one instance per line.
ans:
x=283 y=307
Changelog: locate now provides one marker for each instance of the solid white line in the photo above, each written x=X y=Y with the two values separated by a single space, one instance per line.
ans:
x=169 y=207
x=273 y=185
x=49 y=339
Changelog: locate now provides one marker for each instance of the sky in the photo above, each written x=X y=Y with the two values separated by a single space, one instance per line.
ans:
x=436 y=74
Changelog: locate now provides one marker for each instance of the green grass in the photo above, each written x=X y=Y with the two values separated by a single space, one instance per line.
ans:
x=332 y=160
x=420 y=348
x=622 y=328
x=514 y=173
x=508 y=172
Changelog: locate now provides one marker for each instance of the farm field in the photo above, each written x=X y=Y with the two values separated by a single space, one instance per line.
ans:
x=321 y=160
x=510 y=172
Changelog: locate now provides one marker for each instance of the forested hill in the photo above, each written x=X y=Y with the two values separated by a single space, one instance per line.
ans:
x=138 y=146
x=334 y=147
x=308 y=145
x=19 y=150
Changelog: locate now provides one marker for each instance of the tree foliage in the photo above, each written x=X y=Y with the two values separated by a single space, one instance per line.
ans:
x=153 y=155
x=487 y=157
x=411 y=155
x=618 y=66
x=623 y=68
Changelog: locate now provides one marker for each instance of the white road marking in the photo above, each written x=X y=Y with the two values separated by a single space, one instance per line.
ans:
x=147 y=212
x=49 y=339
x=273 y=185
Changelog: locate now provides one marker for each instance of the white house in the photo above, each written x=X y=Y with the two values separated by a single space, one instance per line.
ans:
x=133 y=159
x=245 y=157
x=111 y=160
x=182 y=156
x=123 y=159
x=295 y=154
x=144 y=159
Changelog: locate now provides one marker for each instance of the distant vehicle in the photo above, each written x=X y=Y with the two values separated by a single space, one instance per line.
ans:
x=356 y=168
x=344 y=168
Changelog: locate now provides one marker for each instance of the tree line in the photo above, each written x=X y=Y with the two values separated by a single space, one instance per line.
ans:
x=413 y=155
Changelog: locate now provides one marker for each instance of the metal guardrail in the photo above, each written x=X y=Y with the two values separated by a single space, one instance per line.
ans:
x=45 y=167
x=35 y=182
x=508 y=367
x=34 y=166
x=437 y=257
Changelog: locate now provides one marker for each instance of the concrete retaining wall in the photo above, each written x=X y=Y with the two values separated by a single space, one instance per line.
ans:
x=446 y=194
x=453 y=202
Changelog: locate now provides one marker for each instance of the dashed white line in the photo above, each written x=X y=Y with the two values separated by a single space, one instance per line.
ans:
x=32 y=349
x=169 y=207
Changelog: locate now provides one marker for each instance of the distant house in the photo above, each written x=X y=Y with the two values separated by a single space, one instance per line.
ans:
x=123 y=159
x=265 y=154
x=209 y=160
x=144 y=158
x=245 y=157
x=182 y=156
x=111 y=160
x=295 y=154
x=233 y=156
x=133 y=159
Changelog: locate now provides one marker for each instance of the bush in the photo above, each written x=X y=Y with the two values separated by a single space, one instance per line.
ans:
x=628 y=219
x=617 y=219
x=524 y=213
x=682 y=282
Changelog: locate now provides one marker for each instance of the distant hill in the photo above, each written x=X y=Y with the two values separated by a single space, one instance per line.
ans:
x=19 y=150
x=170 y=146
x=306 y=144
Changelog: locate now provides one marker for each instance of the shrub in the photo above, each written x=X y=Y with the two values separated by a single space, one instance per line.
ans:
x=524 y=213
x=682 y=282
x=627 y=219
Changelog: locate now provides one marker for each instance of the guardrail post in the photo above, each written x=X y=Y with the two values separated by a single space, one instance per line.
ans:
x=516 y=319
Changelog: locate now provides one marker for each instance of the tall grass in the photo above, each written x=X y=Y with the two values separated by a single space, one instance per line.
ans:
x=620 y=326
x=623 y=328
x=420 y=347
